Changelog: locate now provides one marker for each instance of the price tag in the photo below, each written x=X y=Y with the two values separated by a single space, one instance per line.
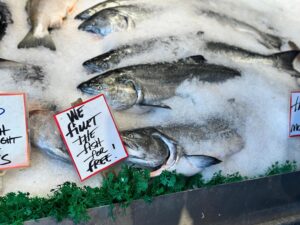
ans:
x=294 y=114
x=14 y=144
x=91 y=136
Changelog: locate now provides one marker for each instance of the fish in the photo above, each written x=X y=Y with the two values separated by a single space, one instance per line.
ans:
x=281 y=60
x=44 y=134
x=149 y=84
x=88 y=13
x=114 y=19
x=269 y=41
x=23 y=71
x=5 y=19
x=162 y=147
x=112 y=58
x=45 y=15
x=155 y=148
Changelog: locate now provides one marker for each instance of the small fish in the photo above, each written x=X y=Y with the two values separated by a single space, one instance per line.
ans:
x=86 y=14
x=114 y=19
x=266 y=39
x=161 y=148
x=23 y=71
x=45 y=136
x=5 y=19
x=43 y=16
x=282 y=60
x=149 y=84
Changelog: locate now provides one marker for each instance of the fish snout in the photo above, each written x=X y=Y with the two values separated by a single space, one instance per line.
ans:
x=84 y=87
x=92 y=67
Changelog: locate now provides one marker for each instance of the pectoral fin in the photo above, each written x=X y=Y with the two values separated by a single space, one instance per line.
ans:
x=202 y=161
x=158 y=105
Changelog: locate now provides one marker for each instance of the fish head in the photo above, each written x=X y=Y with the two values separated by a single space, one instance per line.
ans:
x=101 y=63
x=105 y=22
x=119 y=90
x=144 y=149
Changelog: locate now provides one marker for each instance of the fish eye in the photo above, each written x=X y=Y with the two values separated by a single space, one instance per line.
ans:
x=131 y=135
x=100 y=87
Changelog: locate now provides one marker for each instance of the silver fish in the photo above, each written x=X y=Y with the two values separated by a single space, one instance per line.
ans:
x=161 y=148
x=112 y=58
x=149 y=84
x=45 y=15
x=86 y=14
x=267 y=40
x=45 y=136
x=114 y=19
x=5 y=19
x=282 y=60
x=22 y=71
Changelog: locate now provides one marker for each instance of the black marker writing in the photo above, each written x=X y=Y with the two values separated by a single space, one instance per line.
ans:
x=6 y=139
x=94 y=163
x=295 y=127
x=3 y=130
x=75 y=114
x=296 y=106
x=4 y=160
x=2 y=111
x=77 y=129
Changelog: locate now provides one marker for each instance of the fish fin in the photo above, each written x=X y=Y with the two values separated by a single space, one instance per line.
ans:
x=30 y=41
x=160 y=105
x=284 y=60
x=293 y=45
x=270 y=41
x=202 y=161
x=193 y=59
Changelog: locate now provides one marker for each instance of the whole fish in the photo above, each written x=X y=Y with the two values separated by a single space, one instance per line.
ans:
x=86 y=14
x=267 y=40
x=162 y=148
x=282 y=60
x=112 y=58
x=45 y=136
x=22 y=71
x=43 y=16
x=5 y=19
x=149 y=84
x=154 y=148
x=114 y=19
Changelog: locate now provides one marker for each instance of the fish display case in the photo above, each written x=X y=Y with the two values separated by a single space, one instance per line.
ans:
x=149 y=112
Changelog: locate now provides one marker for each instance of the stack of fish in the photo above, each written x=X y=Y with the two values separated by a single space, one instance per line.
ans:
x=148 y=85
x=145 y=86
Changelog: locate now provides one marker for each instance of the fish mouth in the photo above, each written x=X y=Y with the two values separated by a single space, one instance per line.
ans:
x=84 y=88
x=91 y=67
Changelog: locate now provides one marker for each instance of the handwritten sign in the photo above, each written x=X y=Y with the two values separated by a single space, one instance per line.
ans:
x=91 y=136
x=295 y=114
x=14 y=145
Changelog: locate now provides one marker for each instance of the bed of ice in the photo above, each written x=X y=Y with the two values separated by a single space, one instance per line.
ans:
x=261 y=107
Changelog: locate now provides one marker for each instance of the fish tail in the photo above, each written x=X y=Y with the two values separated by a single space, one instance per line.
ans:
x=293 y=45
x=284 y=60
x=271 y=41
x=30 y=41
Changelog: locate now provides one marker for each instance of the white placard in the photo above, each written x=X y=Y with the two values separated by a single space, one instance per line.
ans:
x=14 y=146
x=91 y=136
x=294 y=114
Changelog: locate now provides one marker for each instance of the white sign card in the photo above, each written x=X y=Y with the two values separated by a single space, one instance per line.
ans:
x=14 y=145
x=91 y=136
x=294 y=114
